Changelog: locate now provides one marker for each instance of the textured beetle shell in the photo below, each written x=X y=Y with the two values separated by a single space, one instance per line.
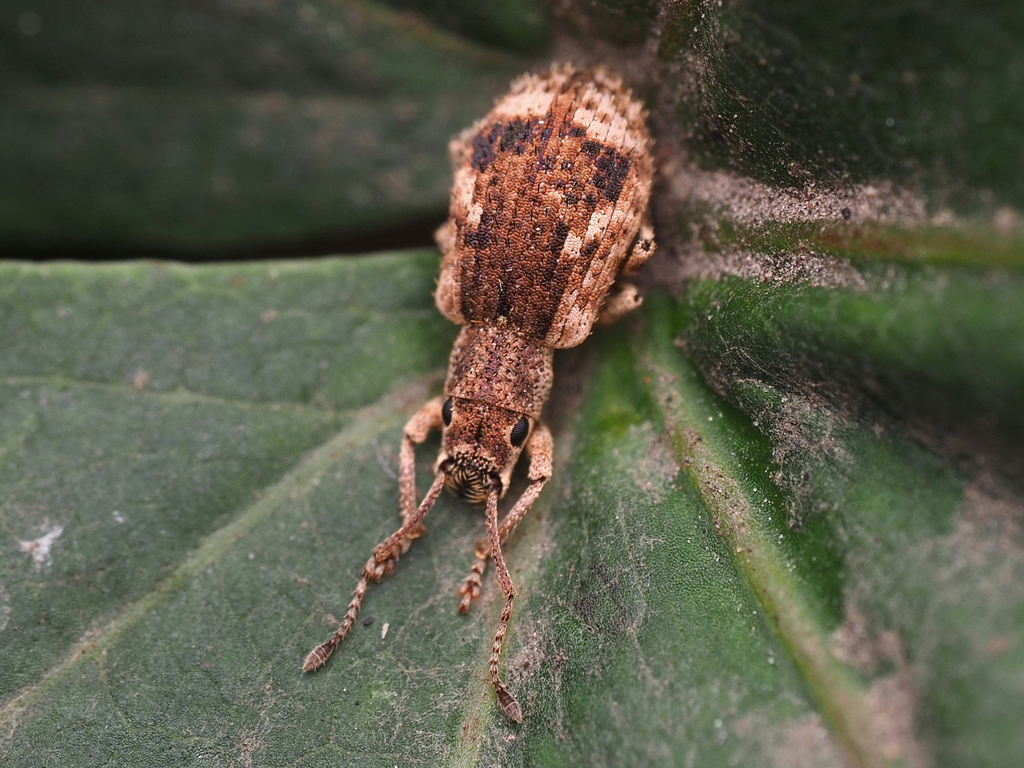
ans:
x=550 y=191
x=501 y=367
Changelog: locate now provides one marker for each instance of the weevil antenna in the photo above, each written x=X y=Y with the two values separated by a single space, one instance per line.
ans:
x=505 y=699
x=381 y=563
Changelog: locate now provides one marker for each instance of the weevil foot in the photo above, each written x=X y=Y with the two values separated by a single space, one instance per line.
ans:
x=470 y=589
x=509 y=704
x=621 y=303
x=319 y=656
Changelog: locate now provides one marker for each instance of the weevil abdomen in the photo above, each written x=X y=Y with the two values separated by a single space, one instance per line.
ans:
x=550 y=192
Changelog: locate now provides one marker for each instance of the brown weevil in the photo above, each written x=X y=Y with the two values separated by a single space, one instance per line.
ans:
x=548 y=208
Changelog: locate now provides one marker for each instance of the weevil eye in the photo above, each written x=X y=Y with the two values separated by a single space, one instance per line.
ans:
x=520 y=431
x=446 y=412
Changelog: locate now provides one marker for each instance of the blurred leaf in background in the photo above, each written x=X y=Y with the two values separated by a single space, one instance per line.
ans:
x=785 y=527
x=200 y=127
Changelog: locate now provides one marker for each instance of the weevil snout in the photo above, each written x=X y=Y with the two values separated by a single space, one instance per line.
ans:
x=472 y=483
x=480 y=446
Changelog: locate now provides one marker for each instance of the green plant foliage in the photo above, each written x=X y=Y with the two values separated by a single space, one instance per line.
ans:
x=918 y=342
x=786 y=523
x=229 y=573
x=227 y=126
x=796 y=90
x=518 y=25
x=212 y=518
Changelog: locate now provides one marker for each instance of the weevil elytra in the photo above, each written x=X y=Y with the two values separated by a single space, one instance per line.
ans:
x=548 y=208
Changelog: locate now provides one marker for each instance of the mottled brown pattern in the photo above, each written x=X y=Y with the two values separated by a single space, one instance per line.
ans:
x=550 y=191
x=501 y=367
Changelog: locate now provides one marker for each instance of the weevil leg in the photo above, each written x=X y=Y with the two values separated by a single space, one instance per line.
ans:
x=539 y=449
x=643 y=247
x=625 y=299
x=380 y=564
x=508 y=702
x=416 y=430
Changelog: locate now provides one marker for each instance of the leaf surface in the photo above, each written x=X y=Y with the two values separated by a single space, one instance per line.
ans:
x=786 y=525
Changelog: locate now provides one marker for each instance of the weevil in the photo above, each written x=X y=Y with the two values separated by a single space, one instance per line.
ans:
x=548 y=208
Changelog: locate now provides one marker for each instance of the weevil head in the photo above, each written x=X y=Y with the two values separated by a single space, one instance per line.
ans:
x=480 y=445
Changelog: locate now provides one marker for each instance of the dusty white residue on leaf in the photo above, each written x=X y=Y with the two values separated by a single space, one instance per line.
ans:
x=252 y=742
x=658 y=467
x=40 y=548
x=752 y=202
x=529 y=654
x=717 y=202
x=799 y=743
x=892 y=700
x=5 y=608
x=858 y=644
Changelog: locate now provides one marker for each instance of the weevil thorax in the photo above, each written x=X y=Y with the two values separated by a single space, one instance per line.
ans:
x=498 y=382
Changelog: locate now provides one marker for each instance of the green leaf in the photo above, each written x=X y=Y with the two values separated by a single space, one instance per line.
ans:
x=208 y=535
x=795 y=92
x=226 y=609
x=167 y=126
x=785 y=523
x=519 y=25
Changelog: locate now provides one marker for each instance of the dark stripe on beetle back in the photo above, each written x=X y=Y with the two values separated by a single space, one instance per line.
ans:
x=544 y=315
x=515 y=135
x=518 y=135
x=612 y=170
x=480 y=237
x=483 y=147
x=558 y=238
x=512 y=272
